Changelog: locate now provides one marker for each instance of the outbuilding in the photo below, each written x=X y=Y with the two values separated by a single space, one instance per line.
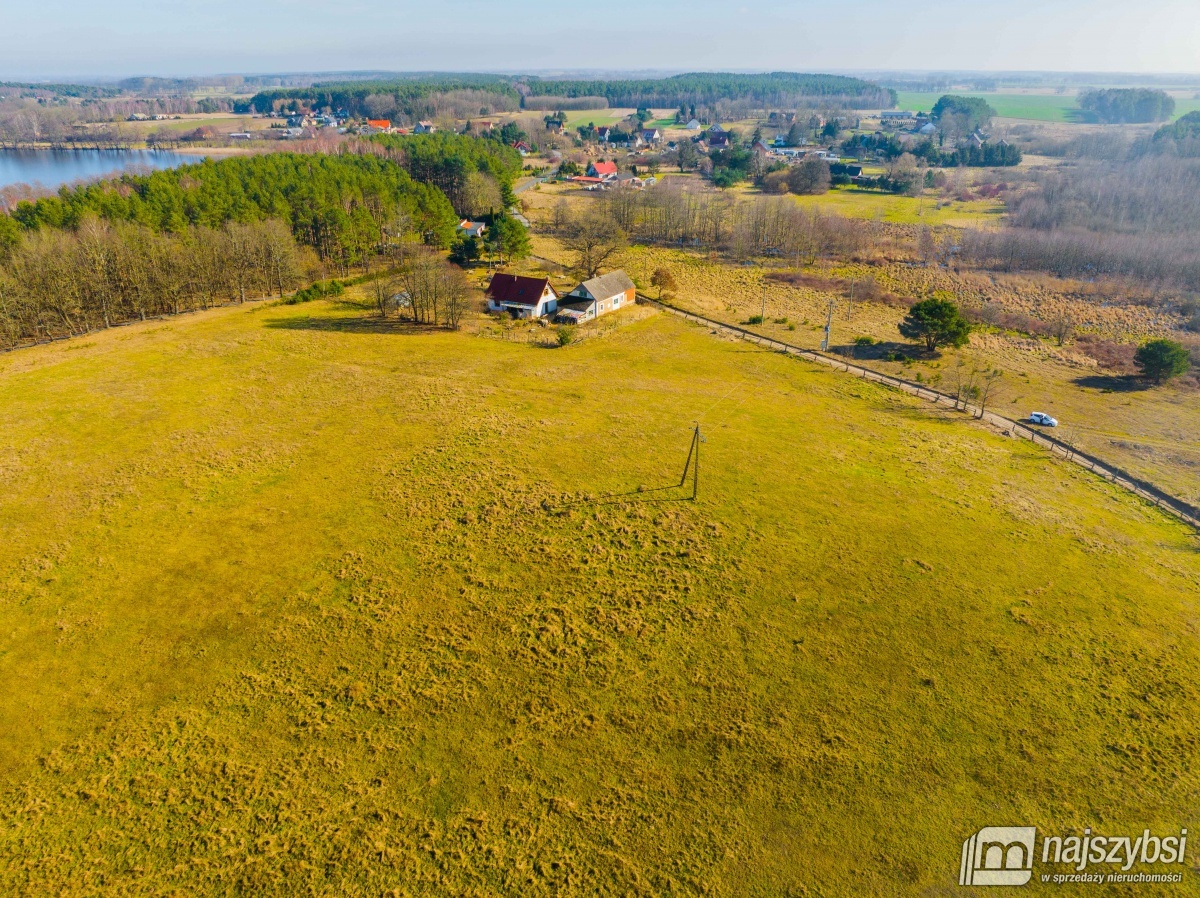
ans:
x=598 y=296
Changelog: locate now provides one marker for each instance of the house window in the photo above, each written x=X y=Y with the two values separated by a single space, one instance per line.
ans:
x=616 y=301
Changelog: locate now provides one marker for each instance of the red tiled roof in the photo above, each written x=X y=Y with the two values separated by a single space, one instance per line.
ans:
x=513 y=288
x=379 y=123
x=605 y=168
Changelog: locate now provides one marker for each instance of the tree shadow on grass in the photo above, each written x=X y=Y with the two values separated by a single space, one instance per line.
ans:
x=876 y=352
x=1112 y=383
x=353 y=325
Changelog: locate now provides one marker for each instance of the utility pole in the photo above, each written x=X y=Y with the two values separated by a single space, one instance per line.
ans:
x=696 y=470
x=828 y=328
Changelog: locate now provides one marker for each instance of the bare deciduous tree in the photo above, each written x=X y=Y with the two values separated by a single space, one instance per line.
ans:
x=594 y=239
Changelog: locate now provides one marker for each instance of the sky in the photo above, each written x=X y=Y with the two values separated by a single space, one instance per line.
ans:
x=50 y=39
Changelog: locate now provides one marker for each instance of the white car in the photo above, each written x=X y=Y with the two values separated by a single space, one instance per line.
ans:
x=1043 y=419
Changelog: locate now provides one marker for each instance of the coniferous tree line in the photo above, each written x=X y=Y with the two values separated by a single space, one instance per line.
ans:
x=340 y=205
x=417 y=95
x=447 y=162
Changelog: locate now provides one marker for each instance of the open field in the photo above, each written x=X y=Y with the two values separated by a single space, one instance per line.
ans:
x=1041 y=107
x=578 y=117
x=1036 y=107
x=874 y=204
x=297 y=601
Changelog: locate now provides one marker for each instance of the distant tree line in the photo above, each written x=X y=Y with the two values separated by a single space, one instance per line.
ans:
x=408 y=95
x=412 y=95
x=707 y=88
x=1126 y=105
x=81 y=91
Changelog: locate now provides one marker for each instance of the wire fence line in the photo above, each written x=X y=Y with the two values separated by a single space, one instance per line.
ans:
x=1189 y=514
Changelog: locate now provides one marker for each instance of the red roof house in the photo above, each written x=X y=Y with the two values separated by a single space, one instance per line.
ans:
x=602 y=170
x=521 y=297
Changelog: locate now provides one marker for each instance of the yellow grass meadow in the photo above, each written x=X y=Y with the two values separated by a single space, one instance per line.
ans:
x=295 y=601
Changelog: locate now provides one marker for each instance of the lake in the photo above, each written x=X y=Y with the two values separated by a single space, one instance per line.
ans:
x=53 y=168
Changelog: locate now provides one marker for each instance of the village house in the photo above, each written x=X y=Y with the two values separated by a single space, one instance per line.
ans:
x=603 y=133
x=694 y=125
x=651 y=135
x=471 y=228
x=521 y=297
x=424 y=128
x=602 y=170
x=379 y=124
x=598 y=296
x=522 y=147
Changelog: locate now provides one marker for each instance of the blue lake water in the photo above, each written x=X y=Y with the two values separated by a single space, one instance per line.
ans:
x=53 y=168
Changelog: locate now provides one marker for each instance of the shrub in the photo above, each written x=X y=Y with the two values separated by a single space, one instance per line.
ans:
x=566 y=335
x=755 y=319
x=1107 y=353
x=1160 y=360
x=864 y=341
x=319 y=290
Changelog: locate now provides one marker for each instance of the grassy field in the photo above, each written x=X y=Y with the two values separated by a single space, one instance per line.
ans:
x=294 y=601
x=856 y=203
x=598 y=117
x=1036 y=107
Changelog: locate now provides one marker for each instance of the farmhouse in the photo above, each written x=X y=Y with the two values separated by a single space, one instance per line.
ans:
x=522 y=147
x=380 y=124
x=694 y=125
x=424 y=128
x=471 y=228
x=521 y=297
x=651 y=135
x=603 y=170
x=598 y=296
